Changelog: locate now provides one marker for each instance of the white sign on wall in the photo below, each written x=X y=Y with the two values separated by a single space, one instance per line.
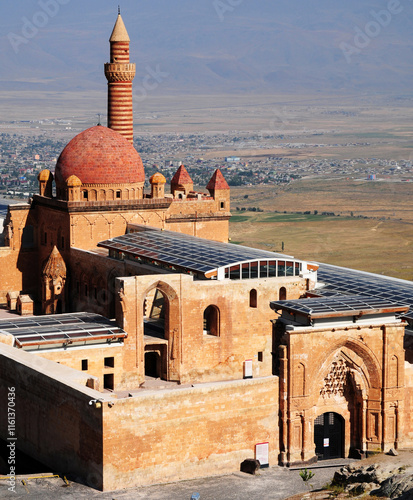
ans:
x=326 y=442
x=262 y=454
x=248 y=368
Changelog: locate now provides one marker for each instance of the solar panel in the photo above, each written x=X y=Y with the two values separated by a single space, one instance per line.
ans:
x=348 y=281
x=38 y=330
x=338 y=305
x=188 y=252
x=344 y=281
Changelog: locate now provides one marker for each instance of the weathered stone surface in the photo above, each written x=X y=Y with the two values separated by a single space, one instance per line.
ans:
x=393 y=452
x=381 y=480
x=399 y=486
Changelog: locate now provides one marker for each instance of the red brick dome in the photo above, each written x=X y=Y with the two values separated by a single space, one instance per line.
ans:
x=99 y=155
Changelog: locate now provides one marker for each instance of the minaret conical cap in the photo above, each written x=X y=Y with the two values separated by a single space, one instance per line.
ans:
x=119 y=33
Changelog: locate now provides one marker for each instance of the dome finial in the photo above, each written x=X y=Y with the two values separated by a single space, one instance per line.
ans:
x=118 y=10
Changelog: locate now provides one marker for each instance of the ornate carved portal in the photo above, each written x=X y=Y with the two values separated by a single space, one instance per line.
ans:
x=334 y=382
x=343 y=386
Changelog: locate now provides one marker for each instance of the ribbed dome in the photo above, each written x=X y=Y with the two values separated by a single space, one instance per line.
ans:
x=99 y=155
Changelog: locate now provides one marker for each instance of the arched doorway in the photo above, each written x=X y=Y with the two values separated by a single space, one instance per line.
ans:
x=160 y=327
x=329 y=436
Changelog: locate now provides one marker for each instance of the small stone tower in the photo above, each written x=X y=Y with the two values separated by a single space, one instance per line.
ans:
x=157 y=182
x=120 y=74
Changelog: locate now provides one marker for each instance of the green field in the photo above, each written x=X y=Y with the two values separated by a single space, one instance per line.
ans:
x=381 y=241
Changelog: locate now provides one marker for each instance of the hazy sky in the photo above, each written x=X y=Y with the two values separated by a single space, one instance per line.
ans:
x=213 y=45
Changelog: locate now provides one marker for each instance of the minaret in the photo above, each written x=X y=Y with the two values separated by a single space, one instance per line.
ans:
x=120 y=74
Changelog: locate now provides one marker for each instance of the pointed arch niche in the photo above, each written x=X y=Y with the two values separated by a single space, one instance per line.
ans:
x=160 y=311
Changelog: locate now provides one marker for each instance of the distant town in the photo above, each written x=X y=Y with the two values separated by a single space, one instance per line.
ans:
x=23 y=156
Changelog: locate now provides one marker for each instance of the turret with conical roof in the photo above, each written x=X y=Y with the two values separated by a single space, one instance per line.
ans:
x=120 y=74
x=219 y=190
x=181 y=182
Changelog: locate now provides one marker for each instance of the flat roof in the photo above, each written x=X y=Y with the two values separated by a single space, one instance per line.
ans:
x=61 y=329
x=339 y=306
x=187 y=252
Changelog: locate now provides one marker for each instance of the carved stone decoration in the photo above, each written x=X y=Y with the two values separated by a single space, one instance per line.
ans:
x=53 y=283
x=335 y=381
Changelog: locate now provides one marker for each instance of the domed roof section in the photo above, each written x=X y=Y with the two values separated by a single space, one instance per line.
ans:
x=157 y=178
x=44 y=175
x=99 y=155
x=73 y=181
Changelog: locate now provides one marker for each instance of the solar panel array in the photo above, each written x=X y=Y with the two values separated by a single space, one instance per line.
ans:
x=184 y=251
x=349 y=281
x=63 y=328
x=343 y=281
x=336 y=306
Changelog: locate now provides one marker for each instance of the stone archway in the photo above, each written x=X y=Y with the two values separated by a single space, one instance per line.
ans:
x=161 y=327
x=347 y=379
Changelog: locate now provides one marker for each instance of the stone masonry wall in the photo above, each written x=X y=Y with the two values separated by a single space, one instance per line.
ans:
x=54 y=422
x=171 y=435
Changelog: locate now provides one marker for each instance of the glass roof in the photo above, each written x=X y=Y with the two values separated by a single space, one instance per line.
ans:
x=344 y=281
x=343 y=305
x=184 y=251
x=76 y=327
x=340 y=280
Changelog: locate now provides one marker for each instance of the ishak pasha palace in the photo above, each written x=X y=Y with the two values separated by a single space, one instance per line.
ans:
x=145 y=348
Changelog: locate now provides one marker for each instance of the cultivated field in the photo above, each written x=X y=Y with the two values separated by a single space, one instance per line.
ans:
x=381 y=243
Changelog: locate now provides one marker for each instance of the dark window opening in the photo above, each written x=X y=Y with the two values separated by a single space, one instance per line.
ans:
x=253 y=298
x=108 y=381
x=85 y=195
x=110 y=362
x=261 y=357
x=85 y=364
x=118 y=194
x=283 y=293
x=222 y=204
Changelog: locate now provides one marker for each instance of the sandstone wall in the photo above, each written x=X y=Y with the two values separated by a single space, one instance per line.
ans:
x=54 y=422
x=186 y=433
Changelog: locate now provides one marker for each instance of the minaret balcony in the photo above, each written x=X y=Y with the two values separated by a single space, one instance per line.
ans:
x=118 y=72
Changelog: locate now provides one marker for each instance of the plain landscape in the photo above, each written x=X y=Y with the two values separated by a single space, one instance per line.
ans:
x=371 y=228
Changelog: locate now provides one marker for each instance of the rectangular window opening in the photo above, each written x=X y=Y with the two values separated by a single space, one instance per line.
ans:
x=118 y=194
x=260 y=356
x=85 y=365
x=110 y=362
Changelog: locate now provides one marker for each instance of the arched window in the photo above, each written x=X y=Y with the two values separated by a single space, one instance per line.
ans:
x=283 y=293
x=211 y=321
x=253 y=298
